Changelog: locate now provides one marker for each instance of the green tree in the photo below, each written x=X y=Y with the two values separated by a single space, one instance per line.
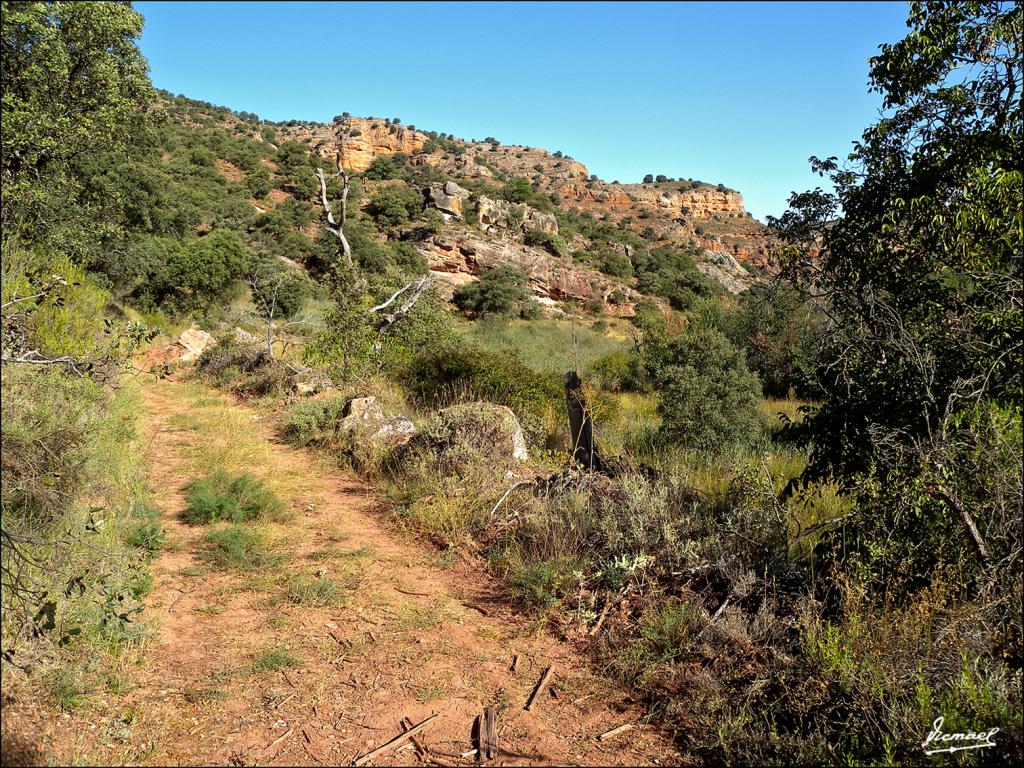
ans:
x=204 y=270
x=707 y=397
x=395 y=205
x=73 y=84
x=916 y=257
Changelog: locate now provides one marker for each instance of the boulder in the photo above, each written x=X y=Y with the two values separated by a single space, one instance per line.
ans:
x=493 y=215
x=392 y=432
x=460 y=433
x=448 y=198
x=364 y=421
x=195 y=342
x=361 y=410
x=545 y=222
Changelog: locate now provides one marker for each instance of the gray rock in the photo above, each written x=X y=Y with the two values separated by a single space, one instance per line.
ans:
x=463 y=432
x=365 y=421
x=448 y=198
x=545 y=222
x=195 y=342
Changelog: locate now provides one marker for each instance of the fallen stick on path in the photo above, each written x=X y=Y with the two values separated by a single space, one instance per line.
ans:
x=600 y=619
x=280 y=738
x=410 y=592
x=394 y=742
x=421 y=748
x=609 y=735
x=545 y=678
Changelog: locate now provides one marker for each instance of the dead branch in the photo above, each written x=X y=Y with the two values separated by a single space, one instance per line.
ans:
x=393 y=742
x=338 y=227
x=965 y=517
x=419 y=287
x=544 y=680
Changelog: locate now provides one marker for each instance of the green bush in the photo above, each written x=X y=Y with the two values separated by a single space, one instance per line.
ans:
x=384 y=167
x=395 y=205
x=554 y=243
x=707 y=397
x=620 y=371
x=501 y=291
x=220 y=496
x=445 y=375
x=314 y=422
x=149 y=535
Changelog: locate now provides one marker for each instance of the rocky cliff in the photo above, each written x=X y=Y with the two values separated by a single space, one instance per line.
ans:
x=696 y=217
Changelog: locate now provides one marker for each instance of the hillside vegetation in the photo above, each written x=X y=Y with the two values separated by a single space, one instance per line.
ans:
x=804 y=541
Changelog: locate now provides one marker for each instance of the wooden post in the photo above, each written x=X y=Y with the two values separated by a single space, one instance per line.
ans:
x=489 y=734
x=581 y=425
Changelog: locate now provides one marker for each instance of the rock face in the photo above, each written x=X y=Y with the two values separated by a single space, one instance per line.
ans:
x=370 y=138
x=458 y=259
x=448 y=198
x=468 y=431
x=724 y=268
x=700 y=203
x=365 y=421
x=683 y=214
x=195 y=342
x=496 y=215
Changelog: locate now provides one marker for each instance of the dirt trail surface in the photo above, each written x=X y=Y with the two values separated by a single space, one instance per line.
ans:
x=237 y=671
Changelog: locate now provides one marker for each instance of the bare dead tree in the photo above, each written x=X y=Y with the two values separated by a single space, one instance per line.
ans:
x=414 y=289
x=337 y=226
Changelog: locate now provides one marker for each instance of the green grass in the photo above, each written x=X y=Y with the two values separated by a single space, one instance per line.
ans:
x=314 y=592
x=240 y=498
x=274 y=660
x=547 y=345
x=149 y=535
x=65 y=689
x=238 y=548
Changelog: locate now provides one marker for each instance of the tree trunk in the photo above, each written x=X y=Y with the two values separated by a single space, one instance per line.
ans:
x=581 y=426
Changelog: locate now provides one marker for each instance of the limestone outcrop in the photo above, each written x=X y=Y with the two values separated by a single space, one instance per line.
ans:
x=458 y=259
x=448 y=198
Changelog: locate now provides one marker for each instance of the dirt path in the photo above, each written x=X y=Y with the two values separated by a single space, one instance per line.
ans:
x=408 y=640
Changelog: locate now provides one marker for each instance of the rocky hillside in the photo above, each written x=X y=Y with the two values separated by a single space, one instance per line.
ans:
x=576 y=237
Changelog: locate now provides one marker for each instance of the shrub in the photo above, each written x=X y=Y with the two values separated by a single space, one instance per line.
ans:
x=620 y=371
x=314 y=422
x=394 y=206
x=555 y=244
x=501 y=291
x=383 y=168
x=149 y=535
x=708 y=398
x=220 y=496
x=463 y=373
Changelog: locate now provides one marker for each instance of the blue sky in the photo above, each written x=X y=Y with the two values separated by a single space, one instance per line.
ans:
x=737 y=93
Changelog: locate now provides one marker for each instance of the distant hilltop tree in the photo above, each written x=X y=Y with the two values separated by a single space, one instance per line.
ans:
x=649 y=178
